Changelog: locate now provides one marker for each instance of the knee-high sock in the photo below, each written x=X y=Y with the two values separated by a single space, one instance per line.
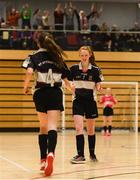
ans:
x=43 y=145
x=105 y=128
x=109 y=129
x=91 y=144
x=52 y=140
x=80 y=144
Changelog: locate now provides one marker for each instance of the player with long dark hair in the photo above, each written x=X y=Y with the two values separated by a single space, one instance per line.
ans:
x=49 y=69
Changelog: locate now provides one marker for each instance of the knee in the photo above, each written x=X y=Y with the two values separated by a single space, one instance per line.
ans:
x=91 y=131
x=79 y=130
x=43 y=130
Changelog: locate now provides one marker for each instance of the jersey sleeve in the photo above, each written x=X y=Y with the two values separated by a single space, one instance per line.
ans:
x=65 y=72
x=28 y=62
x=99 y=76
x=71 y=74
x=25 y=63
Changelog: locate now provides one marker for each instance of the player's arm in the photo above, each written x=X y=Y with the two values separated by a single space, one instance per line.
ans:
x=28 y=77
x=69 y=85
x=114 y=100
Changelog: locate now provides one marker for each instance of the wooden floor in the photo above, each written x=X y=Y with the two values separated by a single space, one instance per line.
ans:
x=119 y=157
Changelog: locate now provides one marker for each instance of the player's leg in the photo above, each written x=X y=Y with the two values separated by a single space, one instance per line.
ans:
x=91 y=138
x=53 y=117
x=104 y=125
x=109 y=125
x=78 y=116
x=43 y=138
x=91 y=113
x=80 y=142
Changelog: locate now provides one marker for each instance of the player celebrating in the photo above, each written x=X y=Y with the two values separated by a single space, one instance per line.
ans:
x=86 y=78
x=48 y=66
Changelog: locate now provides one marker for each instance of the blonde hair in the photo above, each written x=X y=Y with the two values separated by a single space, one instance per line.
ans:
x=92 y=57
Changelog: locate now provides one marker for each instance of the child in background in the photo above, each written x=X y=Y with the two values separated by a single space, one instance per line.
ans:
x=108 y=101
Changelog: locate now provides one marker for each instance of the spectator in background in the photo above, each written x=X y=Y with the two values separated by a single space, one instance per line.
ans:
x=105 y=37
x=26 y=14
x=59 y=17
x=69 y=16
x=2 y=21
x=84 y=19
x=37 y=18
x=26 y=38
x=15 y=38
x=114 y=38
x=94 y=15
x=135 y=28
x=36 y=35
x=134 y=39
x=84 y=24
x=13 y=18
x=45 y=20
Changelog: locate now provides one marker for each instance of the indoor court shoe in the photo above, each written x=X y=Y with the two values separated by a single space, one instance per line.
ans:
x=78 y=160
x=93 y=158
x=49 y=164
x=108 y=134
x=104 y=133
x=42 y=164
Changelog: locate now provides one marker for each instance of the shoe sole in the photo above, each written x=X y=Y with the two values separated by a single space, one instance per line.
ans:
x=78 y=162
x=42 y=169
x=49 y=168
x=95 y=160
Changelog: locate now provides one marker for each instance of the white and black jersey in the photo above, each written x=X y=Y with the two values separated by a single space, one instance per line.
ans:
x=85 y=81
x=47 y=72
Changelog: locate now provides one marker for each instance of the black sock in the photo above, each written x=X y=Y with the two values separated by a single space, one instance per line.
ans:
x=80 y=144
x=105 y=128
x=91 y=144
x=52 y=140
x=109 y=129
x=43 y=145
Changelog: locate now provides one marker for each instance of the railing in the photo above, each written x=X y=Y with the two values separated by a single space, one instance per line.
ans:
x=127 y=41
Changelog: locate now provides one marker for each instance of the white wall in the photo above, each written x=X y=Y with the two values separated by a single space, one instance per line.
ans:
x=122 y=14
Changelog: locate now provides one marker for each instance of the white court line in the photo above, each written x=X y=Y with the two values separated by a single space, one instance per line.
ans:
x=15 y=164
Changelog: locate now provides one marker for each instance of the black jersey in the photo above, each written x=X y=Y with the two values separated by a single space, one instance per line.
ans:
x=85 y=81
x=47 y=72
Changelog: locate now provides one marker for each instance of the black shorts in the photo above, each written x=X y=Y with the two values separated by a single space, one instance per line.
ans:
x=48 y=98
x=108 y=111
x=85 y=107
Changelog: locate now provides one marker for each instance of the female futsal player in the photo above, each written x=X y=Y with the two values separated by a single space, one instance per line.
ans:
x=86 y=78
x=49 y=69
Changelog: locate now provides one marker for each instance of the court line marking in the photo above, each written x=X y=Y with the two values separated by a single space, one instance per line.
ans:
x=88 y=170
x=15 y=164
x=112 y=175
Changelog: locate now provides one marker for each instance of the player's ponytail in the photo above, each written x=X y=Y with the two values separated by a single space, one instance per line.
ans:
x=46 y=41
